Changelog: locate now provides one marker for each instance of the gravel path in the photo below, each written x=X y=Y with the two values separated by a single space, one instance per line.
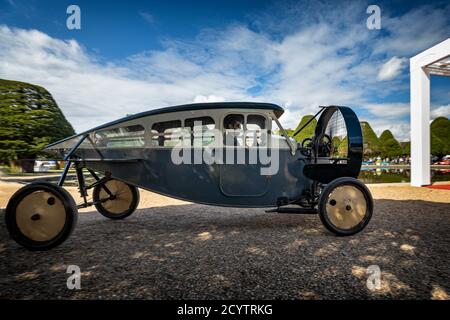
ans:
x=171 y=249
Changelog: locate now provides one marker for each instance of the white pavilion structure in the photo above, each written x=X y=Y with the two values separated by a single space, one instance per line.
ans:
x=433 y=61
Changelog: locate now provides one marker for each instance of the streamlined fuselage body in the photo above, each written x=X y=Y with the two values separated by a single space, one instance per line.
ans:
x=141 y=150
x=237 y=185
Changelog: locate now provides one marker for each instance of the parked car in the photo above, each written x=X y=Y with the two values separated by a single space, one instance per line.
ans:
x=44 y=166
x=143 y=150
x=444 y=162
x=434 y=159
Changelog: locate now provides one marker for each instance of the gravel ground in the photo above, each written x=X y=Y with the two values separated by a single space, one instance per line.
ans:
x=171 y=249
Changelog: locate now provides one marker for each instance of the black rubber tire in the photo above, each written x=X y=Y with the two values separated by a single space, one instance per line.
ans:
x=324 y=199
x=116 y=216
x=71 y=212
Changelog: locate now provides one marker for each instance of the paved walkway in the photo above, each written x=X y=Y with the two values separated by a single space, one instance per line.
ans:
x=175 y=249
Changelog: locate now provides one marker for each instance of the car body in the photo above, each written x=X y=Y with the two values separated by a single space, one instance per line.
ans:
x=44 y=165
x=443 y=162
x=223 y=154
x=141 y=154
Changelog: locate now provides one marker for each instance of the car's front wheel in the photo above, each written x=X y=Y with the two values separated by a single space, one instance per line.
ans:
x=41 y=216
x=345 y=206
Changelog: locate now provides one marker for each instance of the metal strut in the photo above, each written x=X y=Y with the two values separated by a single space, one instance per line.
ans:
x=80 y=177
x=293 y=210
x=309 y=121
x=83 y=188
x=68 y=160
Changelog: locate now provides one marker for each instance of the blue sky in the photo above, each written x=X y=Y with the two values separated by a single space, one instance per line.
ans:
x=131 y=56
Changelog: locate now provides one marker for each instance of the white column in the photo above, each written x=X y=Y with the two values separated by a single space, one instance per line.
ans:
x=420 y=126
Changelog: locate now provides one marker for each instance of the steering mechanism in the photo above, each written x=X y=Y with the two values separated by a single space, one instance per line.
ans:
x=307 y=146
x=324 y=146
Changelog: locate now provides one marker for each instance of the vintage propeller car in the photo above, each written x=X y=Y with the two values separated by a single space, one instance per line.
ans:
x=226 y=154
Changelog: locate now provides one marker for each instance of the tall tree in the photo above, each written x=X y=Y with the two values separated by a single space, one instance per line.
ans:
x=406 y=148
x=389 y=145
x=308 y=131
x=343 y=148
x=440 y=136
x=29 y=119
x=370 y=140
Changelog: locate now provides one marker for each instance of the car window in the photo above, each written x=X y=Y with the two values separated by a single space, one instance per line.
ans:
x=256 y=131
x=166 y=134
x=201 y=131
x=123 y=137
x=278 y=136
x=233 y=125
x=336 y=131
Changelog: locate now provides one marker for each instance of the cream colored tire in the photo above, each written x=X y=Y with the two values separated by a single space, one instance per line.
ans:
x=345 y=206
x=41 y=216
x=124 y=202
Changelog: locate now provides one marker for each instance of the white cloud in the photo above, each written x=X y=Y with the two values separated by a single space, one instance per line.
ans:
x=400 y=128
x=390 y=116
x=388 y=110
x=392 y=68
x=91 y=93
x=210 y=98
x=291 y=118
x=150 y=18
x=414 y=31
x=328 y=59
x=441 y=111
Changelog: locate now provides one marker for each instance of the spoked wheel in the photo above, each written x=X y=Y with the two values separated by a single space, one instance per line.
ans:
x=345 y=206
x=41 y=216
x=115 y=199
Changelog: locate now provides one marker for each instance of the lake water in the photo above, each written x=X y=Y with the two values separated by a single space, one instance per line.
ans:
x=385 y=175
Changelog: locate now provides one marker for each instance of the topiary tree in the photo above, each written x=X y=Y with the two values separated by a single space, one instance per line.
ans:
x=308 y=131
x=343 y=148
x=29 y=120
x=370 y=140
x=406 y=148
x=440 y=136
x=385 y=135
x=438 y=147
x=390 y=147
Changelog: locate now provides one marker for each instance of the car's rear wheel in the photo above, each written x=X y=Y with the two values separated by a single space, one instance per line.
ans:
x=115 y=199
x=41 y=216
x=345 y=206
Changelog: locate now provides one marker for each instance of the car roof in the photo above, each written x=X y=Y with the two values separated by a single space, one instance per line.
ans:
x=278 y=111
x=209 y=105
